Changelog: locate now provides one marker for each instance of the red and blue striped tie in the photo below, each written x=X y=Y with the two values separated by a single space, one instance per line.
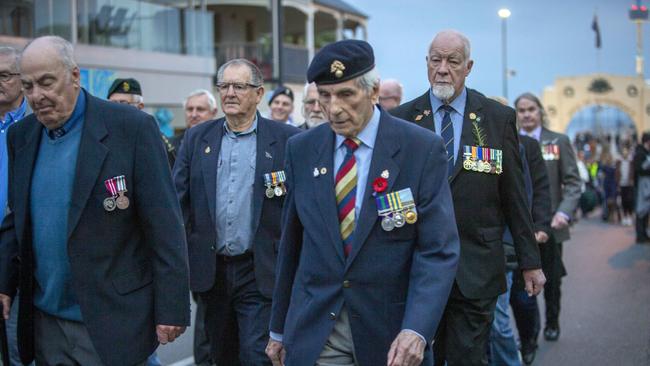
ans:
x=346 y=191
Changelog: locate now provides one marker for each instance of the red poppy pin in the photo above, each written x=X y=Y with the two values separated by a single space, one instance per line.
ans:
x=380 y=184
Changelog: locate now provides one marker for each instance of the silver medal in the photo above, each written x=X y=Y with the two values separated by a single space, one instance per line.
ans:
x=387 y=223
x=399 y=219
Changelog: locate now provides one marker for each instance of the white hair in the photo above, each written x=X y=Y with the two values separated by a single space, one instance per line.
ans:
x=464 y=40
x=369 y=80
x=212 y=102
x=13 y=54
x=64 y=48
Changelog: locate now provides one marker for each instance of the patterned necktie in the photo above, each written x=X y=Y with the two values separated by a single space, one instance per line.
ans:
x=447 y=133
x=346 y=191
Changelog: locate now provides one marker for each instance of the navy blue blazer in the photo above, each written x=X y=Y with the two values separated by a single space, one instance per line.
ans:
x=391 y=280
x=195 y=176
x=129 y=267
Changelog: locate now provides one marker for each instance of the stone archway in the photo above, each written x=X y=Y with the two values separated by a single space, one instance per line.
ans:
x=569 y=95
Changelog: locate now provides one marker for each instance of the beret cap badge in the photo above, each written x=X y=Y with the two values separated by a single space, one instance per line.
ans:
x=337 y=68
x=125 y=86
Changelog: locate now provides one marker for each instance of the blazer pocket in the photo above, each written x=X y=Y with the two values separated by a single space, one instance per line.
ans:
x=128 y=282
x=489 y=234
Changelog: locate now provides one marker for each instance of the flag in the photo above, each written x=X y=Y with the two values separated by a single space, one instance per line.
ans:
x=596 y=28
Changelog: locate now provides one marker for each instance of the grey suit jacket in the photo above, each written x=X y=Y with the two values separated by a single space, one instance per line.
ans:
x=564 y=178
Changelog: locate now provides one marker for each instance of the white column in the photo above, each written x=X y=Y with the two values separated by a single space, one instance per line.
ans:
x=74 y=26
x=309 y=31
x=339 y=27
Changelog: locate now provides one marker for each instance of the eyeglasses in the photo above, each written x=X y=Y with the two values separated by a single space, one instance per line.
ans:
x=239 y=88
x=311 y=102
x=6 y=76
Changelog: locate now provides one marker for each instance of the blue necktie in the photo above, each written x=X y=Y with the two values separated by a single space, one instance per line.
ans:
x=447 y=133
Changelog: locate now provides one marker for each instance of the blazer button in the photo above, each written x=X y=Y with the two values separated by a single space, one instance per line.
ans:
x=213 y=248
x=346 y=284
x=332 y=316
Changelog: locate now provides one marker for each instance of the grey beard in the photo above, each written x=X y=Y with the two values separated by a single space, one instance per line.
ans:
x=443 y=92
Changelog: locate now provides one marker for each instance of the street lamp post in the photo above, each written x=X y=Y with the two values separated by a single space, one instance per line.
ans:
x=504 y=14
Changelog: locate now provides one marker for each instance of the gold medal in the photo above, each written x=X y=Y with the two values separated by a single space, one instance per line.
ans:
x=411 y=217
x=122 y=202
x=467 y=164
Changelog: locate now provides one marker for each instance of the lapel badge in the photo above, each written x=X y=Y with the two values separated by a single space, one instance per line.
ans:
x=418 y=117
x=426 y=112
x=316 y=173
x=337 y=68
x=385 y=174
x=323 y=171
x=207 y=150
x=472 y=116
x=268 y=156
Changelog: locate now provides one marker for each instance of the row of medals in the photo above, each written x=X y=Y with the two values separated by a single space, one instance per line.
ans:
x=276 y=191
x=121 y=202
x=479 y=166
x=399 y=219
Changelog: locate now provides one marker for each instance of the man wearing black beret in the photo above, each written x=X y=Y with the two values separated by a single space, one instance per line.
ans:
x=369 y=247
x=281 y=104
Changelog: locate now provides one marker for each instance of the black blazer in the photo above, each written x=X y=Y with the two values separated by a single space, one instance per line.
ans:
x=129 y=267
x=541 y=209
x=485 y=203
x=195 y=176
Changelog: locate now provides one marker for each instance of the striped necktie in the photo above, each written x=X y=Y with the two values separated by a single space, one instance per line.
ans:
x=447 y=133
x=346 y=191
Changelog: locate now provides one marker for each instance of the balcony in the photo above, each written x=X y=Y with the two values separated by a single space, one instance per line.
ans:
x=296 y=58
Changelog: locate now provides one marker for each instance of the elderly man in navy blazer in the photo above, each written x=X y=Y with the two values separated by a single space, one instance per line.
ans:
x=94 y=238
x=369 y=247
x=231 y=185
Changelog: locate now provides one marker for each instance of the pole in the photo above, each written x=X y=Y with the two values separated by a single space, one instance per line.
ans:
x=504 y=56
x=639 y=48
x=276 y=15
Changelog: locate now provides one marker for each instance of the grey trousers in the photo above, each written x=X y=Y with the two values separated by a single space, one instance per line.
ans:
x=62 y=342
x=339 y=347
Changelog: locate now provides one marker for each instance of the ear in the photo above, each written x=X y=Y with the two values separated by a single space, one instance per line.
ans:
x=470 y=63
x=76 y=77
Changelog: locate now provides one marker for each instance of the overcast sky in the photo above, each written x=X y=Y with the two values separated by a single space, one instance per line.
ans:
x=546 y=39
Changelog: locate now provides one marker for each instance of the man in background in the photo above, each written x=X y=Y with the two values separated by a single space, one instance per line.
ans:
x=281 y=104
x=199 y=106
x=311 y=108
x=390 y=94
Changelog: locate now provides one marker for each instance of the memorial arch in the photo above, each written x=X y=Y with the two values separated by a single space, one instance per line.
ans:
x=570 y=95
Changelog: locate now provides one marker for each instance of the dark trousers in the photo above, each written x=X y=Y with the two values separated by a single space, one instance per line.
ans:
x=463 y=333
x=237 y=315
x=201 y=343
x=553 y=267
x=526 y=312
x=641 y=227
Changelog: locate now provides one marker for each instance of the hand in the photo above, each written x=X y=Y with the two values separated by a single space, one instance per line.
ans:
x=559 y=221
x=541 y=237
x=407 y=350
x=534 y=280
x=276 y=352
x=167 y=333
x=5 y=301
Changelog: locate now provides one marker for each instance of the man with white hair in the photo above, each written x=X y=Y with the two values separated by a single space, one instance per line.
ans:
x=311 y=108
x=94 y=235
x=390 y=94
x=199 y=106
x=484 y=171
x=369 y=246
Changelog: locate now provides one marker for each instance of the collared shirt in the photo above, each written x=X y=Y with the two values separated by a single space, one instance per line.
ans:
x=235 y=180
x=458 y=104
x=10 y=118
x=536 y=133
x=363 y=156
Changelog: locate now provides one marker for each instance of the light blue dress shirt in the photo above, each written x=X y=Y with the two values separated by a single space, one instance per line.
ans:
x=458 y=104
x=363 y=156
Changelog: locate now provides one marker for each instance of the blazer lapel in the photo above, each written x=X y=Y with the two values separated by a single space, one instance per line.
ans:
x=23 y=168
x=324 y=191
x=382 y=160
x=91 y=156
x=423 y=115
x=209 y=151
x=467 y=136
x=263 y=164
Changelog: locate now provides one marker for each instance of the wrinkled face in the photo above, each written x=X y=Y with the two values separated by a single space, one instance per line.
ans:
x=50 y=87
x=389 y=97
x=238 y=98
x=10 y=90
x=447 y=66
x=347 y=106
x=197 y=110
x=529 y=116
x=311 y=108
x=124 y=98
x=281 y=108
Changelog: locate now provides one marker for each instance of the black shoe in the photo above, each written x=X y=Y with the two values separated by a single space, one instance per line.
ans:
x=551 y=333
x=528 y=352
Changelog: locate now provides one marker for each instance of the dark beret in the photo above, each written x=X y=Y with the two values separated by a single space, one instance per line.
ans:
x=124 y=86
x=281 y=90
x=341 y=61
